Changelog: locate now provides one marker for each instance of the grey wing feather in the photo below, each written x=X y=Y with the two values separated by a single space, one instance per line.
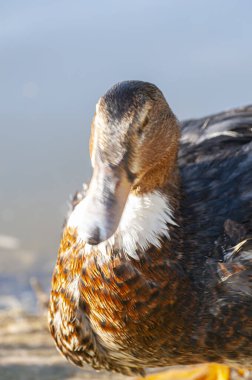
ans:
x=215 y=161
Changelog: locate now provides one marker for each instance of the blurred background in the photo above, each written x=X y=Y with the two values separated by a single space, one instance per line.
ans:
x=57 y=58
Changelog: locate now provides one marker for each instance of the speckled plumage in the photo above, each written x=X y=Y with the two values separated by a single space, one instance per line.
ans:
x=189 y=301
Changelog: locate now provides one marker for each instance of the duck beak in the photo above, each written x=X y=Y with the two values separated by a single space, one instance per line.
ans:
x=104 y=203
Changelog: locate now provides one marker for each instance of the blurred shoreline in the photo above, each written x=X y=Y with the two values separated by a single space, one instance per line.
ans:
x=27 y=351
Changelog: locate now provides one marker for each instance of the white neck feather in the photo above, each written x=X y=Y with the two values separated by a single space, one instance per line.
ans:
x=145 y=220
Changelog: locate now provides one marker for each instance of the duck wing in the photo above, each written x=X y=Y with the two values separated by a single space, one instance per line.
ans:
x=235 y=272
x=215 y=161
x=233 y=126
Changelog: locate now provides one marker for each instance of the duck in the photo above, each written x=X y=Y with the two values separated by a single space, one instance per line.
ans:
x=154 y=267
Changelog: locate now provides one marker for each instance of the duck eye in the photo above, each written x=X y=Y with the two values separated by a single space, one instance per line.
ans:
x=145 y=122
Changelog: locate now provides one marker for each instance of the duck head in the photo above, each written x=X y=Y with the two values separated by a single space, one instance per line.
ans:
x=133 y=148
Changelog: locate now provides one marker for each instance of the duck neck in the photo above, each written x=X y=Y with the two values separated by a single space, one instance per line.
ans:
x=152 y=213
x=161 y=173
x=163 y=177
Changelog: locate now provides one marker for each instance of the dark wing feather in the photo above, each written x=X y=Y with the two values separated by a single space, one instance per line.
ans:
x=216 y=165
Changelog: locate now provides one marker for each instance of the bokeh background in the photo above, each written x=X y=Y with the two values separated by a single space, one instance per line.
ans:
x=56 y=58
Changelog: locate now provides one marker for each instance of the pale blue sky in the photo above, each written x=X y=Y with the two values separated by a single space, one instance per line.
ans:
x=59 y=56
x=69 y=52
